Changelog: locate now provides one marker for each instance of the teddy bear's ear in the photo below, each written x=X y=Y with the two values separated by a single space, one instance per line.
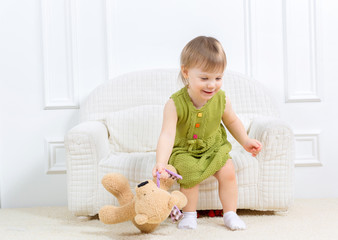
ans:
x=178 y=199
x=141 y=219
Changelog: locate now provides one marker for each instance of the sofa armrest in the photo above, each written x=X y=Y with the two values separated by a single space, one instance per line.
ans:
x=86 y=144
x=276 y=162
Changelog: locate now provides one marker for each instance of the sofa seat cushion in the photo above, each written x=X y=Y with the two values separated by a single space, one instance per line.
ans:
x=137 y=167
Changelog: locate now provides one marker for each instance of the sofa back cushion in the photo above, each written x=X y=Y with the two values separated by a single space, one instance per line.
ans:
x=135 y=129
x=154 y=87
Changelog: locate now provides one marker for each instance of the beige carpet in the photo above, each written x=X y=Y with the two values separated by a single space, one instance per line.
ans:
x=307 y=219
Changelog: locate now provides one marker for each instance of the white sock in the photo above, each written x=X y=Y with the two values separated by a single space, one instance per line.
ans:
x=232 y=221
x=189 y=221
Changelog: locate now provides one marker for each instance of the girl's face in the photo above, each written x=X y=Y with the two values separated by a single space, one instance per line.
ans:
x=203 y=85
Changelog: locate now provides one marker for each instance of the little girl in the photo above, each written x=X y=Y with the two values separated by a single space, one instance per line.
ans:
x=193 y=139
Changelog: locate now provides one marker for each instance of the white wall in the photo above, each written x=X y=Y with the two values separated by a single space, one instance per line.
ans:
x=53 y=53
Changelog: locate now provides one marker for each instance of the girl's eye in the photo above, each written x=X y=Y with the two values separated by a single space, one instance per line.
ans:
x=204 y=78
x=218 y=79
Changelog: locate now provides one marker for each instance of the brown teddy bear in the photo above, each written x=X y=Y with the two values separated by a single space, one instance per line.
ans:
x=150 y=206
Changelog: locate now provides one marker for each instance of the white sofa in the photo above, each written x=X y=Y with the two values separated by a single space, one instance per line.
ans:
x=121 y=121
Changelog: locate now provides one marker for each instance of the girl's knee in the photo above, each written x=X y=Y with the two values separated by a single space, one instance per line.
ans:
x=227 y=172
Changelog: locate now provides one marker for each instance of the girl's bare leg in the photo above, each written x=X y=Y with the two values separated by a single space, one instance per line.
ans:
x=228 y=194
x=190 y=215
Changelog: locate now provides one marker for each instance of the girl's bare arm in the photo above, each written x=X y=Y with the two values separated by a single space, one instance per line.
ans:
x=167 y=137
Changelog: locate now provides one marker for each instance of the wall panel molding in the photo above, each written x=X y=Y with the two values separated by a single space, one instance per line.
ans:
x=56 y=160
x=248 y=28
x=60 y=55
x=307 y=149
x=300 y=22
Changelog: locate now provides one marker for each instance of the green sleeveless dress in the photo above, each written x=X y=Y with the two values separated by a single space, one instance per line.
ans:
x=201 y=147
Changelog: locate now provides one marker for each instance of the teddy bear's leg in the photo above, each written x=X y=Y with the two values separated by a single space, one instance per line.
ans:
x=118 y=185
x=111 y=214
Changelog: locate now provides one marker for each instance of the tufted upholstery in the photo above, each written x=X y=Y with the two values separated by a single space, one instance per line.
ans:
x=264 y=182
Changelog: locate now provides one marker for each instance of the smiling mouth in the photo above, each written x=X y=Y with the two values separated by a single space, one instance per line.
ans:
x=207 y=92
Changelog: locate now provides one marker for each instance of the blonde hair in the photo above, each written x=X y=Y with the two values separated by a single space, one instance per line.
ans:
x=203 y=52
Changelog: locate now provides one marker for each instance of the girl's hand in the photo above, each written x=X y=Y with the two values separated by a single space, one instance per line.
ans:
x=160 y=167
x=253 y=146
